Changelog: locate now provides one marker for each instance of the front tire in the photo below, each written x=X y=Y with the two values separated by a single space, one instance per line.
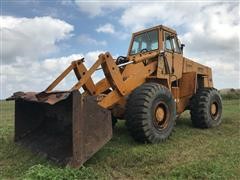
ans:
x=150 y=113
x=206 y=108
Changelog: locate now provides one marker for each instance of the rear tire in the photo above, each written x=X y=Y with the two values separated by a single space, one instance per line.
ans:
x=150 y=113
x=206 y=108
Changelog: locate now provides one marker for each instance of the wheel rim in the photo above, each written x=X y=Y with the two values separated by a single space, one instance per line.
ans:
x=161 y=116
x=214 y=110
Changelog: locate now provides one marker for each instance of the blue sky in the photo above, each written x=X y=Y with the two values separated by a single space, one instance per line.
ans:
x=40 y=38
x=82 y=22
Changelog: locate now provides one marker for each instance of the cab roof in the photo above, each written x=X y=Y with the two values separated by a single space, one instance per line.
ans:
x=157 y=27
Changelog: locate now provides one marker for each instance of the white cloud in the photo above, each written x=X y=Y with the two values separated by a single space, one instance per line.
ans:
x=219 y=30
x=100 y=7
x=171 y=14
x=32 y=76
x=25 y=42
x=110 y=29
x=107 y=28
x=86 y=39
x=28 y=38
x=37 y=75
x=215 y=24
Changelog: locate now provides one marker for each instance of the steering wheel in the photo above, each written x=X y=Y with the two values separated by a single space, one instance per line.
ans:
x=144 y=50
x=121 y=60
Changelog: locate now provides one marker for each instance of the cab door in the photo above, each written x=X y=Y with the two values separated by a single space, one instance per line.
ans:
x=168 y=50
x=173 y=54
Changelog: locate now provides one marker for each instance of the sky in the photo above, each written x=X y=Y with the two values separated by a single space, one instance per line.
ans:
x=39 y=39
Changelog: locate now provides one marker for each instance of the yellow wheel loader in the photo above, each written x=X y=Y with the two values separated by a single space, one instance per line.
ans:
x=148 y=88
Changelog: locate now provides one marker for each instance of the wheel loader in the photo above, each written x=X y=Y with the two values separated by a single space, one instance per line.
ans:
x=149 y=88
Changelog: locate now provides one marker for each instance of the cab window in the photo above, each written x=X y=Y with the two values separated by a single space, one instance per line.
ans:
x=176 y=45
x=168 y=42
x=171 y=43
x=147 y=41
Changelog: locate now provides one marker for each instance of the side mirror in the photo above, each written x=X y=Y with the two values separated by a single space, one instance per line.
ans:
x=182 y=45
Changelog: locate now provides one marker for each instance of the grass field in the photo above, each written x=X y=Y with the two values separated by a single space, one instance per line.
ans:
x=190 y=153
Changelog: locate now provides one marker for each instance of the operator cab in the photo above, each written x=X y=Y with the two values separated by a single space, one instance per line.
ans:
x=159 y=38
x=154 y=40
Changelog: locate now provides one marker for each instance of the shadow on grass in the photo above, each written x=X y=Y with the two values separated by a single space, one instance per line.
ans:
x=184 y=122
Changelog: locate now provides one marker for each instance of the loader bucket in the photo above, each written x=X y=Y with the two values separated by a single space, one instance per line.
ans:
x=68 y=131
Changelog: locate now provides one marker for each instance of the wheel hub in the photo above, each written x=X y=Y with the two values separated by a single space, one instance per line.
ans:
x=159 y=114
x=214 y=109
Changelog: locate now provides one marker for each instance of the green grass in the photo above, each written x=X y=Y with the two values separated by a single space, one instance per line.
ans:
x=230 y=96
x=190 y=153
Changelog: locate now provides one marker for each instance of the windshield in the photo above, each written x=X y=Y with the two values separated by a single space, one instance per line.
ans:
x=147 y=41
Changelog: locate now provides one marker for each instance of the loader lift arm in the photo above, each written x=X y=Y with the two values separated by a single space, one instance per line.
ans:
x=121 y=83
